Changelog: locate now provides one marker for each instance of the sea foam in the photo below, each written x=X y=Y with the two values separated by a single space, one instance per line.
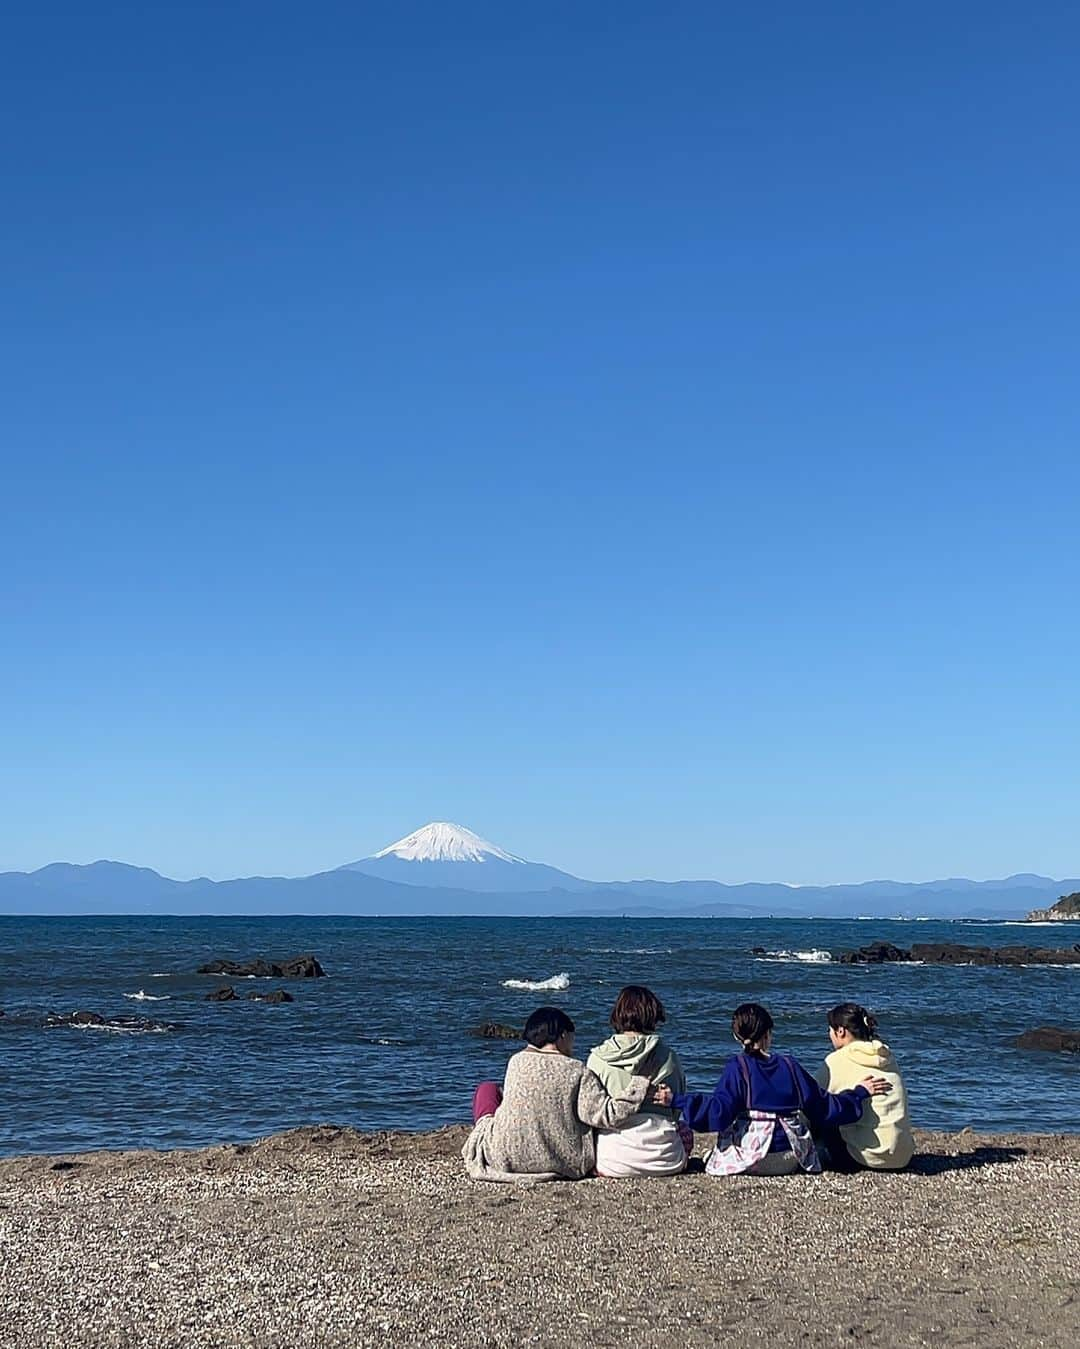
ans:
x=552 y=985
x=148 y=997
x=812 y=957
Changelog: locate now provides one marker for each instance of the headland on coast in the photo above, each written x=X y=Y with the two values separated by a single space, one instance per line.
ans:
x=328 y=1237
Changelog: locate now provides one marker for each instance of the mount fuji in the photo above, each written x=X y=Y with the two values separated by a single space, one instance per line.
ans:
x=449 y=856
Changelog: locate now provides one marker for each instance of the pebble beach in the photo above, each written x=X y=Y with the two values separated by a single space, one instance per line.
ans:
x=327 y=1237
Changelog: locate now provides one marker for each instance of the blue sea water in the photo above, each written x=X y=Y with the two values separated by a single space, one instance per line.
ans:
x=383 y=1041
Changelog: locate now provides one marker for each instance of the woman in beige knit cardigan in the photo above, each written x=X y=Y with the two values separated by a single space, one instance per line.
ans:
x=540 y=1125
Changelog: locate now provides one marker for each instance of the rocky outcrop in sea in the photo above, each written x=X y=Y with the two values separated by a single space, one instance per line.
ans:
x=299 y=967
x=952 y=953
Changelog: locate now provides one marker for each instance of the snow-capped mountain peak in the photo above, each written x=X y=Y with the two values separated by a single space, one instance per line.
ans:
x=441 y=841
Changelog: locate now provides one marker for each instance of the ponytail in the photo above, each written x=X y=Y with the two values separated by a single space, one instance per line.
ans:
x=749 y=1025
x=851 y=1017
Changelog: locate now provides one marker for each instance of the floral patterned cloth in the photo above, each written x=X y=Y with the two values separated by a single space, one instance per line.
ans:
x=750 y=1138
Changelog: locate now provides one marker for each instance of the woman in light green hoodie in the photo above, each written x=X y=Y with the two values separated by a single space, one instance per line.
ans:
x=881 y=1139
x=650 y=1142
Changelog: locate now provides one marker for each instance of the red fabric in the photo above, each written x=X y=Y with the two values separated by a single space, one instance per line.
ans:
x=486 y=1100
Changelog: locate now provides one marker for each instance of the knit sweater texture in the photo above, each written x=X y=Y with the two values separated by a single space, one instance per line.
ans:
x=544 y=1128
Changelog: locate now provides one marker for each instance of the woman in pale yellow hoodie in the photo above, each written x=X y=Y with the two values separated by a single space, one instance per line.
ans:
x=881 y=1139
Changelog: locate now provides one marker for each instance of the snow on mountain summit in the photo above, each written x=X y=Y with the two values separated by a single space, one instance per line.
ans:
x=441 y=841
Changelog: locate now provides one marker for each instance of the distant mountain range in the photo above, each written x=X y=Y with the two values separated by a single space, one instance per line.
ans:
x=445 y=869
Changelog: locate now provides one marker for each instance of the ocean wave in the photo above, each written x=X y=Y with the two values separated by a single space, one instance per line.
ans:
x=148 y=997
x=556 y=983
x=812 y=957
x=123 y=1030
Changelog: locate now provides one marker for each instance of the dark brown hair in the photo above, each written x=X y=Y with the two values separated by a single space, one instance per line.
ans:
x=546 y=1026
x=850 y=1016
x=637 y=1008
x=750 y=1024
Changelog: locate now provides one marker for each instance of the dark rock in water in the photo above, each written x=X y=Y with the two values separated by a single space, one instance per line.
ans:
x=876 y=953
x=1051 y=1038
x=278 y=995
x=758 y=951
x=252 y=969
x=951 y=953
x=299 y=967
x=495 y=1030
x=226 y=994
x=948 y=953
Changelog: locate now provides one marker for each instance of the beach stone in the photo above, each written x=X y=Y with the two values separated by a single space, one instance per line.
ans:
x=278 y=995
x=1051 y=1038
x=226 y=994
x=495 y=1030
x=299 y=967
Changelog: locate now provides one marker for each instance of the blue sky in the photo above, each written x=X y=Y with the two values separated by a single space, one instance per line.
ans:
x=644 y=434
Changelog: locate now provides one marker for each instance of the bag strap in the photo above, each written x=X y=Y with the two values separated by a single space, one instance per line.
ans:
x=745 y=1071
x=795 y=1082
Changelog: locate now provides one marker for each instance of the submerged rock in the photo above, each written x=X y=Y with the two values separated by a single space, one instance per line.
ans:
x=277 y=995
x=1051 y=1038
x=226 y=994
x=495 y=1030
x=299 y=967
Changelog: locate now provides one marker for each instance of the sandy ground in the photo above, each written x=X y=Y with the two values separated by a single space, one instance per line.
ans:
x=327 y=1237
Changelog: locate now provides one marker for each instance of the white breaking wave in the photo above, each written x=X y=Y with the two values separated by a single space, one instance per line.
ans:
x=813 y=957
x=148 y=997
x=552 y=985
x=124 y=1030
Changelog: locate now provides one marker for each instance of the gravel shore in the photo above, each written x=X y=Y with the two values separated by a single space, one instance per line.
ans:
x=327 y=1237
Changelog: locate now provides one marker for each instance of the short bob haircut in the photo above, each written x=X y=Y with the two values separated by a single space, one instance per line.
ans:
x=546 y=1026
x=637 y=1009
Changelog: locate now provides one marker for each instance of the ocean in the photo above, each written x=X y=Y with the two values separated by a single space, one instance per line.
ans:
x=383 y=1041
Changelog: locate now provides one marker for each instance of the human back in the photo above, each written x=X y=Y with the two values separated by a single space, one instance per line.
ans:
x=539 y=1125
x=881 y=1138
x=650 y=1142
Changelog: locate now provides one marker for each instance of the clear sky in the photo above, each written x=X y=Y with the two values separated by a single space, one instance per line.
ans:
x=646 y=434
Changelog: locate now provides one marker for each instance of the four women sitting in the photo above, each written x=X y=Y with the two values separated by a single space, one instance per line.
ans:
x=770 y=1116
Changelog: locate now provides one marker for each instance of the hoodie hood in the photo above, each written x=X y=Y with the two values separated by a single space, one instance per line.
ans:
x=628 y=1051
x=873 y=1055
x=628 y=1055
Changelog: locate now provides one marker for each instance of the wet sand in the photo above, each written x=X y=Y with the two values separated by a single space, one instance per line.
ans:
x=327 y=1237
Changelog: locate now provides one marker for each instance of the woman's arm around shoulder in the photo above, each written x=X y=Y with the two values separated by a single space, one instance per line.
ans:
x=596 y=1108
x=827 y=1109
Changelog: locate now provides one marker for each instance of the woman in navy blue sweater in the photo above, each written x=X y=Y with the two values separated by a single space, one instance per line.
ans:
x=766 y=1107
